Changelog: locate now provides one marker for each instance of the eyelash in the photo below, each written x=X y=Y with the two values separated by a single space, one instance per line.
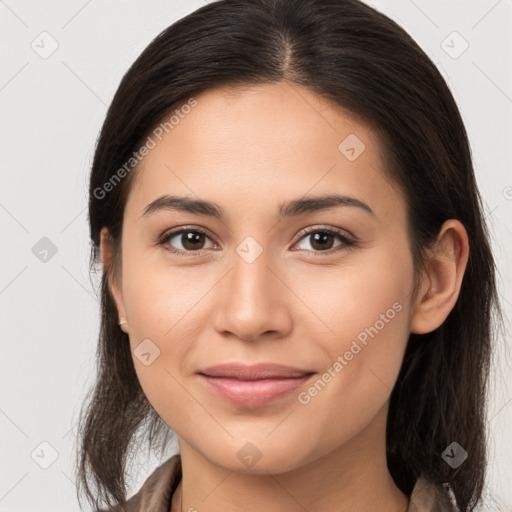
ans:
x=346 y=241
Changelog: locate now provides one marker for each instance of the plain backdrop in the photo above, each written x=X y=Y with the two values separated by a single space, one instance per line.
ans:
x=61 y=64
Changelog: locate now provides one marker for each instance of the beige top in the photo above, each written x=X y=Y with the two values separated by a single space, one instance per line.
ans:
x=156 y=493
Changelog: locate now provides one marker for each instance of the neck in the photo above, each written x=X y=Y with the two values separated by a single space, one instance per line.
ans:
x=353 y=477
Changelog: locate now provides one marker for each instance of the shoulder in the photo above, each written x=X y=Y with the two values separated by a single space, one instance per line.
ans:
x=428 y=496
x=156 y=493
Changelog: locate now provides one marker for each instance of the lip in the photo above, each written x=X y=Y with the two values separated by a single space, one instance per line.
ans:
x=252 y=386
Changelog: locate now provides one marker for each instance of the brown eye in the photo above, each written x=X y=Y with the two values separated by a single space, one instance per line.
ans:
x=192 y=240
x=185 y=240
x=323 y=240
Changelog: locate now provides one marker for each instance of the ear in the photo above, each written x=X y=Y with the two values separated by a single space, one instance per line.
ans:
x=441 y=284
x=106 y=252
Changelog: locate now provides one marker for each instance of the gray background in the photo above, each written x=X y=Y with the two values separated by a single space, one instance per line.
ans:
x=52 y=109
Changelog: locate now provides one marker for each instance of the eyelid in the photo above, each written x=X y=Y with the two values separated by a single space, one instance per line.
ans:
x=344 y=233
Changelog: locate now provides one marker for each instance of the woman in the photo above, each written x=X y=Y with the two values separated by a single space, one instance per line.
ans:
x=297 y=279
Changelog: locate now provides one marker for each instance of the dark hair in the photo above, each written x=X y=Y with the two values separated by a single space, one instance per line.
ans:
x=347 y=52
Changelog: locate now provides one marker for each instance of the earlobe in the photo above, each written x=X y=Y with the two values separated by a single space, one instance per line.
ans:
x=106 y=259
x=441 y=285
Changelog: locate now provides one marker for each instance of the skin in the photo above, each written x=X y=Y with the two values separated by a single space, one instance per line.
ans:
x=250 y=150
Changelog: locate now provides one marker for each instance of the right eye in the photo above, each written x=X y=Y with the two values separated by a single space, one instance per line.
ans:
x=191 y=240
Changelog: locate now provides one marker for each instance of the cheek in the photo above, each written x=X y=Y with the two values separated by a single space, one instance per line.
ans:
x=368 y=309
x=365 y=293
x=159 y=299
x=163 y=306
x=158 y=308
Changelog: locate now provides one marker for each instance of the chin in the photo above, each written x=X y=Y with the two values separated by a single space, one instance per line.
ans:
x=256 y=458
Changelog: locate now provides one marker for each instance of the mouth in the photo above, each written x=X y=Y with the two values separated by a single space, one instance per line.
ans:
x=252 y=386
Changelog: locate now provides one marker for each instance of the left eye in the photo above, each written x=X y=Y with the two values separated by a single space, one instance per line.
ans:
x=321 y=240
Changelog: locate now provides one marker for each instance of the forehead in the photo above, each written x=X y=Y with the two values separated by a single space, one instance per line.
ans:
x=257 y=144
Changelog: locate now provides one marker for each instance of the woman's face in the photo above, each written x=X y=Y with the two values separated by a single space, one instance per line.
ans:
x=271 y=281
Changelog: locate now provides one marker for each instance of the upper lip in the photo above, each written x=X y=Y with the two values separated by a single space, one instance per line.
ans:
x=253 y=372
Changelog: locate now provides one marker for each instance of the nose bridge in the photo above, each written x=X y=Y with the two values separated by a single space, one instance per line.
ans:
x=249 y=306
x=250 y=277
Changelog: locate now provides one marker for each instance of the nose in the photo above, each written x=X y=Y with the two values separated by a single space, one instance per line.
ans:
x=252 y=301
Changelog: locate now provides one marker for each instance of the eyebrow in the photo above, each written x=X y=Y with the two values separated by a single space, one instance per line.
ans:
x=290 y=209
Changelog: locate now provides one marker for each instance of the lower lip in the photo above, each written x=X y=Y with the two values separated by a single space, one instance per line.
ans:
x=252 y=393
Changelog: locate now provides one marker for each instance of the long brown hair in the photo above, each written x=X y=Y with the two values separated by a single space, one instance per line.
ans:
x=350 y=53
